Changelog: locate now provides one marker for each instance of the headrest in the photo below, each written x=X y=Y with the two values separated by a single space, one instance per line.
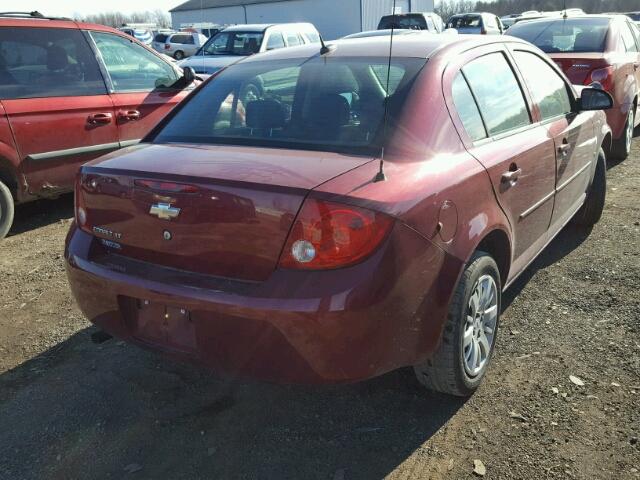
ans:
x=330 y=111
x=57 y=58
x=265 y=114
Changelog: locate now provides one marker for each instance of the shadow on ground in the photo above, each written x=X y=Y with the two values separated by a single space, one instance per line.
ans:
x=88 y=411
x=41 y=213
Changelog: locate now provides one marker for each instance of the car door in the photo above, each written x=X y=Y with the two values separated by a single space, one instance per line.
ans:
x=573 y=133
x=500 y=132
x=133 y=72
x=57 y=104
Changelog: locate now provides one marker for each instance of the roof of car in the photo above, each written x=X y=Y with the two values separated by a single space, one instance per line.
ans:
x=534 y=20
x=54 y=23
x=404 y=46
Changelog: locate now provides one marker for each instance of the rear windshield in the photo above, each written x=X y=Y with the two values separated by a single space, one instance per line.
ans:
x=467 y=21
x=233 y=43
x=570 y=35
x=314 y=104
x=414 y=22
x=161 y=37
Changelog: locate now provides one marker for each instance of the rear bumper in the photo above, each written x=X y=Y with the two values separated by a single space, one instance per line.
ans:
x=296 y=327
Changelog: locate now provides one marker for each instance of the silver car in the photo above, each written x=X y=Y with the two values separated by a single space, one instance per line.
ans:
x=183 y=44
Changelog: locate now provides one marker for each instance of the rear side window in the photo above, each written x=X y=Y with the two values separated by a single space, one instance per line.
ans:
x=547 y=88
x=47 y=62
x=182 y=39
x=497 y=92
x=293 y=39
x=467 y=109
x=130 y=66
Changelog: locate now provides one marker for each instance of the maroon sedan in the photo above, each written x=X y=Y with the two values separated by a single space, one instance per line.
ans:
x=599 y=50
x=255 y=234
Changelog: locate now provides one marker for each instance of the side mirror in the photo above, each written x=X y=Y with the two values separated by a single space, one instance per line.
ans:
x=189 y=75
x=594 y=99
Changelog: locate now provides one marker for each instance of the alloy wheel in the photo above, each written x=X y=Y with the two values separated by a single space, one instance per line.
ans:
x=480 y=326
x=630 y=120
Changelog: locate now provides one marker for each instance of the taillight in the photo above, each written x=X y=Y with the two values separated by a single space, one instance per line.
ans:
x=79 y=204
x=601 y=76
x=329 y=235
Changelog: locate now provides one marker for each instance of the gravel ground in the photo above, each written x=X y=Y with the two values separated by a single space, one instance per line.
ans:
x=72 y=409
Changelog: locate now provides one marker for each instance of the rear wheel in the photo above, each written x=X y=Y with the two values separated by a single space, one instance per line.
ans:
x=179 y=55
x=6 y=210
x=591 y=211
x=622 y=147
x=469 y=336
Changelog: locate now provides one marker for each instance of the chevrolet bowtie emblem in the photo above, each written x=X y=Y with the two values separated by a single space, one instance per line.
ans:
x=164 y=211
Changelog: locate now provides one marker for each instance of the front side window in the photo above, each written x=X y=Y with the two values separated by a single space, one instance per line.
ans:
x=275 y=41
x=547 y=88
x=233 y=43
x=628 y=38
x=467 y=108
x=47 y=62
x=130 y=66
x=313 y=104
x=497 y=92
x=578 y=34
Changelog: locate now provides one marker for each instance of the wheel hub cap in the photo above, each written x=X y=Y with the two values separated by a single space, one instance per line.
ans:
x=479 y=330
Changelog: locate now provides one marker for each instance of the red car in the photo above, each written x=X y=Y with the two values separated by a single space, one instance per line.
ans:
x=70 y=92
x=599 y=50
x=260 y=238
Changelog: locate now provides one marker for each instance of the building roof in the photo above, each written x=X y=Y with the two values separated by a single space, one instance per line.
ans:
x=198 y=4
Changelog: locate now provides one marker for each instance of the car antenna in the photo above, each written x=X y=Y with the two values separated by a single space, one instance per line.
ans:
x=324 y=49
x=380 y=176
x=564 y=14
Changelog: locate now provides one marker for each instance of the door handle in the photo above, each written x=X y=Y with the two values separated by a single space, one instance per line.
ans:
x=511 y=176
x=99 y=118
x=131 y=115
x=563 y=149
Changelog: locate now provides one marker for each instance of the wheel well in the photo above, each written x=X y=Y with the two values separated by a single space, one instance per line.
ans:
x=8 y=177
x=496 y=244
x=606 y=144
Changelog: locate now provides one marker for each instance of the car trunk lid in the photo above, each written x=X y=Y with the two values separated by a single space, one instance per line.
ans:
x=223 y=211
x=578 y=66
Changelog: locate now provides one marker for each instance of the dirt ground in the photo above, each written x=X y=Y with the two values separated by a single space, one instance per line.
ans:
x=73 y=409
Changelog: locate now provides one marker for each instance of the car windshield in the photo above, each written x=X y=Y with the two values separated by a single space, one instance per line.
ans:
x=330 y=104
x=569 y=35
x=233 y=43
x=415 y=22
x=466 y=21
x=634 y=16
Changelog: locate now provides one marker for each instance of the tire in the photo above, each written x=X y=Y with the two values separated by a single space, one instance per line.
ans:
x=6 y=210
x=179 y=55
x=448 y=371
x=621 y=147
x=591 y=211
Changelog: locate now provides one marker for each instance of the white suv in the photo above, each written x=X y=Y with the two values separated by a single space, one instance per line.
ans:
x=243 y=40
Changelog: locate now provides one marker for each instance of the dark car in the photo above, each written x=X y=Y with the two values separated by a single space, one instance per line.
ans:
x=262 y=238
x=412 y=21
x=69 y=92
x=602 y=50
x=476 y=23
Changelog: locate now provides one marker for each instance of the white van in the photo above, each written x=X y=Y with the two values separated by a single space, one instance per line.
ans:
x=237 y=41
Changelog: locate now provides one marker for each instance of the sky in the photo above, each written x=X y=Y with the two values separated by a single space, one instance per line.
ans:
x=67 y=8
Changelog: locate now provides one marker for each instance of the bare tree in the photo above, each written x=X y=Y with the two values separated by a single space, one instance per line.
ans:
x=117 y=19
